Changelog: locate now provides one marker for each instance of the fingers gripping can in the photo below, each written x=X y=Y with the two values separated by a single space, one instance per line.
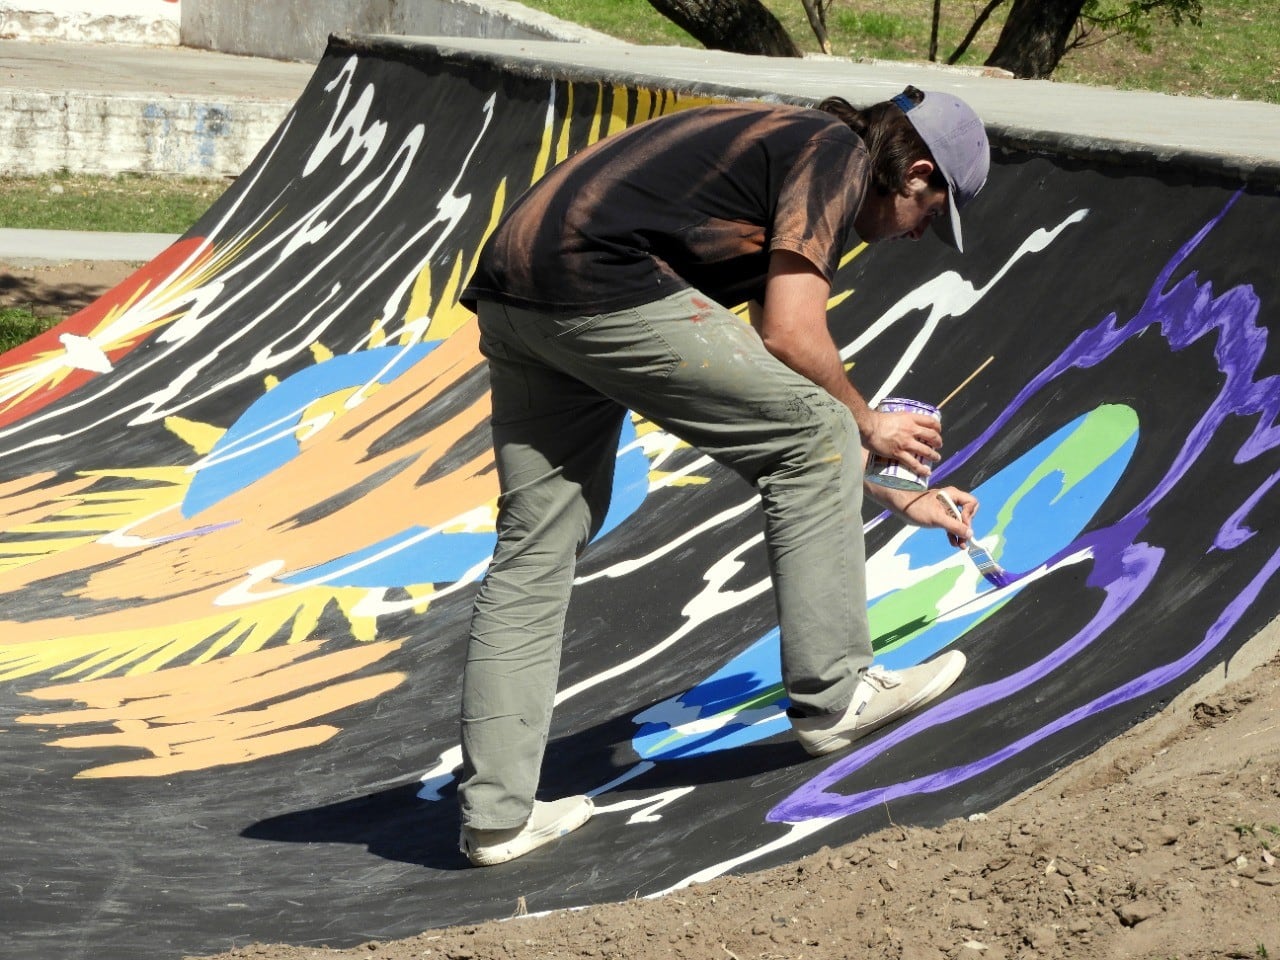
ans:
x=891 y=473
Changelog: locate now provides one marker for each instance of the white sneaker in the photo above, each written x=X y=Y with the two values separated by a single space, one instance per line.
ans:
x=547 y=822
x=881 y=697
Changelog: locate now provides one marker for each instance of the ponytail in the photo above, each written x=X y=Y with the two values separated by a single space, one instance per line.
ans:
x=892 y=142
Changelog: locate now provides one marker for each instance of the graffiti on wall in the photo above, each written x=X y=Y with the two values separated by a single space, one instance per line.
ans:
x=246 y=495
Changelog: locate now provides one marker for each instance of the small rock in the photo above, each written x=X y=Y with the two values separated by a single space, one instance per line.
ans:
x=966 y=917
x=857 y=855
x=1041 y=937
x=996 y=864
x=1135 y=911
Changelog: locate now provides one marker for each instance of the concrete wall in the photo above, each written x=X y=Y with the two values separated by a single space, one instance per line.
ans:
x=113 y=133
x=299 y=29
x=92 y=21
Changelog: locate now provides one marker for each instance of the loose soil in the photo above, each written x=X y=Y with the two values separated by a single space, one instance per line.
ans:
x=55 y=290
x=1163 y=843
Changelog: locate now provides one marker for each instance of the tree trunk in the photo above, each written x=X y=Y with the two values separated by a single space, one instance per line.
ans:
x=818 y=23
x=933 y=31
x=739 y=26
x=1035 y=36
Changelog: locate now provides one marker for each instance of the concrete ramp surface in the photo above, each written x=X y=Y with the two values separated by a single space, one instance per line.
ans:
x=248 y=494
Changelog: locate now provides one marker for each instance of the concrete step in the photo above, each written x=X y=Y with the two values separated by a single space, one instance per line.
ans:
x=91 y=21
x=114 y=108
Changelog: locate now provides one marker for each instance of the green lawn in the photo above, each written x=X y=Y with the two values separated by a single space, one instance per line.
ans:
x=1235 y=53
x=121 y=204
x=18 y=325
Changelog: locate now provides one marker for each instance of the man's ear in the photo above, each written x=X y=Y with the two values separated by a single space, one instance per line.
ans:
x=920 y=170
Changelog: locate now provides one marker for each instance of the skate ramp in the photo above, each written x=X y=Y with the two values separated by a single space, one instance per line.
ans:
x=248 y=494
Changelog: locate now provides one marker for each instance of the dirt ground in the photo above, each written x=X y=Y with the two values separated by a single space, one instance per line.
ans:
x=59 y=289
x=1163 y=843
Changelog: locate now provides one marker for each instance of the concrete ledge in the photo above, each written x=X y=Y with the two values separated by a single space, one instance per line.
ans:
x=114 y=108
x=121 y=133
x=1218 y=139
x=299 y=30
x=91 y=21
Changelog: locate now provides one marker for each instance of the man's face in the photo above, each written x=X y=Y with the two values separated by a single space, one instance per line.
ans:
x=905 y=214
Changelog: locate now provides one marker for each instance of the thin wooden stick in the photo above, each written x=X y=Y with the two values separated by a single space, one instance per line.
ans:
x=967 y=381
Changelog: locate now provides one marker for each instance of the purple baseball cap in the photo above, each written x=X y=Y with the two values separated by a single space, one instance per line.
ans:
x=957 y=139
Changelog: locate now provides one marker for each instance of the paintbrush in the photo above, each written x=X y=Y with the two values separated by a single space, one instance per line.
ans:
x=981 y=557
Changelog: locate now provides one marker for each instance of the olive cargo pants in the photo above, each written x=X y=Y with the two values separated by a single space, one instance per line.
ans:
x=560 y=389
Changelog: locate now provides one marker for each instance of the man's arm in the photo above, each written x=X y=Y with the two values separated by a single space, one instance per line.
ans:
x=792 y=322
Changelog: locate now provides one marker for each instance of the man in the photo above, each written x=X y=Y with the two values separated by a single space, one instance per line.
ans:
x=604 y=289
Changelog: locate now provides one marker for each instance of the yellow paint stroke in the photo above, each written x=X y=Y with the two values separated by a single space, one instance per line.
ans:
x=180 y=567
x=618 y=119
x=55 y=517
x=562 y=144
x=200 y=437
x=147 y=602
x=664 y=478
x=88 y=655
x=853 y=254
x=236 y=710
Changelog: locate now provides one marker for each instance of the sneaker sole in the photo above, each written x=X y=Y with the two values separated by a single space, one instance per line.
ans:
x=954 y=664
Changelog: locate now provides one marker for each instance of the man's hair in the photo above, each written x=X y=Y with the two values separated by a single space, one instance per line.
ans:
x=892 y=142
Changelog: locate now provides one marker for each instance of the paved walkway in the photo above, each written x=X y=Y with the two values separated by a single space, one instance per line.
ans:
x=22 y=247
x=140 y=69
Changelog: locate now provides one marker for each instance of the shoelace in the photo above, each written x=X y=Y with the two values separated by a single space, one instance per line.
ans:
x=883 y=678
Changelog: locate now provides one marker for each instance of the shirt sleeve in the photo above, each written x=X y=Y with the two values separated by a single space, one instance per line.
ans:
x=819 y=199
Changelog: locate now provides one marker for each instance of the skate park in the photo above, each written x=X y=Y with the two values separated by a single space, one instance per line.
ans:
x=248 y=498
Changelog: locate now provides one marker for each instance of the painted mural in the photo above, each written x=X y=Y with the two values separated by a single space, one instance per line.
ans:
x=247 y=495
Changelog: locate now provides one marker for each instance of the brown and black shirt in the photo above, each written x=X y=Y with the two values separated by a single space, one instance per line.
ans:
x=697 y=199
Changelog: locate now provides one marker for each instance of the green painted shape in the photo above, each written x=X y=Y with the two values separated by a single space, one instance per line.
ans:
x=1099 y=436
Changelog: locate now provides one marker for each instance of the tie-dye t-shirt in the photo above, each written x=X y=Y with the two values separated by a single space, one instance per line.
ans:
x=697 y=199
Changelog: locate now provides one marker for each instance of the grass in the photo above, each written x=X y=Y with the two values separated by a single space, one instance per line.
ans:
x=18 y=325
x=120 y=204
x=1234 y=54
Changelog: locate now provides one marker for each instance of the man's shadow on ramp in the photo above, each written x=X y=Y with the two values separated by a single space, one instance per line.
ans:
x=397 y=824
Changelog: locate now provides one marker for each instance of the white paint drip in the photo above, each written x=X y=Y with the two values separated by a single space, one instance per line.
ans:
x=796 y=833
x=946 y=295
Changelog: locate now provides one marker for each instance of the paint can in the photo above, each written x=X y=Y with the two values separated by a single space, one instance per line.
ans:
x=891 y=473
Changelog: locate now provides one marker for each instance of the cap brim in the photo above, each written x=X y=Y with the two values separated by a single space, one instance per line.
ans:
x=948 y=227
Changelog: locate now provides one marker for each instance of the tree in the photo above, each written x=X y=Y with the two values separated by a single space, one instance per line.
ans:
x=1038 y=33
x=1035 y=36
x=739 y=26
x=816 y=11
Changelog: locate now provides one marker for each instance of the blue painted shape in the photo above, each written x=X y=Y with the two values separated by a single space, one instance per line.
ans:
x=743 y=701
x=740 y=703
x=264 y=439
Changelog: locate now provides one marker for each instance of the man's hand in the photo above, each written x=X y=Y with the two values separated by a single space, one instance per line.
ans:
x=793 y=325
x=924 y=509
x=912 y=439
